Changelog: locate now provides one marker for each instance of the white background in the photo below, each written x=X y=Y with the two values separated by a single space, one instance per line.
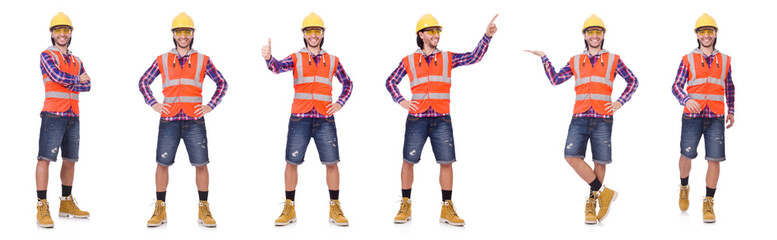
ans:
x=510 y=124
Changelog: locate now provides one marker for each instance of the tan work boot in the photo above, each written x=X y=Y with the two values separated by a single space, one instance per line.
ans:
x=44 y=218
x=448 y=214
x=205 y=218
x=605 y=197
x=160 y=215
x=288 y=215
x=590 y=210
x=336 y=214
x=68 y=208
x=684 y=197
x=709 y=213
x=404 y=211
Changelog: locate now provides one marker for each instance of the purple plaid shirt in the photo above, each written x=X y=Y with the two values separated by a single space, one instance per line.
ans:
x=682 y=97
x=287 y=64
x=566 y=73
x=210 y=70
x=459 y=59
x=48 y=67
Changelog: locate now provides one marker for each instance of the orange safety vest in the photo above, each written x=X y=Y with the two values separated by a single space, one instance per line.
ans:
x=58 y=97
x=706 y=84
x=430 y=83
x=312 y=82
x=182 y=82
x=593 y=81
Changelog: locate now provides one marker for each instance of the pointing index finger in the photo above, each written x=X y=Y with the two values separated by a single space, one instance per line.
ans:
x=492 y=20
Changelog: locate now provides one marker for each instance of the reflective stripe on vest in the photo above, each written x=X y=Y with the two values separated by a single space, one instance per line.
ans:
x=583 y=80
x=182 y=81
x=300 y=79
x=312 y=96
x=62 y=95
x=601 y=97
x=693 y=81
x=423 y=96
x=710 y=97
x=418 y=81
x=183 y=99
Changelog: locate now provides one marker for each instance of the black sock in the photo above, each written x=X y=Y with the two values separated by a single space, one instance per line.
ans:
x=595 y=186
x=406 y=193
x=41 y=194
x=67 y=190
x=203 y=195
x=684 y=181
x=161 y=196
x=446 y=195
x=290 y=195
x=711 y=192
x=334 y=194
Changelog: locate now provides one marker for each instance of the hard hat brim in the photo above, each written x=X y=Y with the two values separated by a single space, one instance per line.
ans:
x=303 y=28
x=423 y=29
x=697 y=28
x=586 y=29
x=60 y=25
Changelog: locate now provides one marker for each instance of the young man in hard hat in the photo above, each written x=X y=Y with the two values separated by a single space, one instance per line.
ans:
x=429 y=73
x=183 y=71
x=707 y=74
x=594 y=72
x=64 y=78
x=312 y=113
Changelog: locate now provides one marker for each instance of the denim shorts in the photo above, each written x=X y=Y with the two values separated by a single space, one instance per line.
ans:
x=194 y=137
x=438 y=129
x=599 y=130
x=713 y=130
x=323 y=132
x=58 y=132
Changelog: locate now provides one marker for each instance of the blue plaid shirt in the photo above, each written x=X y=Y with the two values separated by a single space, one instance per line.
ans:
x=48 y=67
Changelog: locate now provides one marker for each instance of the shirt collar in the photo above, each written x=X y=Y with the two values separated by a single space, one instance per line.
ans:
x=603 y=51
x=436 y=50
x=305 y=50
x=191 y=51
x=698 y=50
x=53 y=48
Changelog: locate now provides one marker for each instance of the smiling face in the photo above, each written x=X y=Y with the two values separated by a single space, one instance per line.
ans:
x=706 y=36
x=183 y=37
x=430 y=36
x=61 y=35
x=594 y=36
x=313 y=36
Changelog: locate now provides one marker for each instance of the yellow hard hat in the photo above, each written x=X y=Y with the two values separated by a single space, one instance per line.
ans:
x=427 y=20
x=705 y=21
x=593 y=21
x=182 y=21
x=60 y=20
x=313 y=20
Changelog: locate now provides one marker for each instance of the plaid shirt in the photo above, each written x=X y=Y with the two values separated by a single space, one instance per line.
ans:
x=566 y=73
x=48 y=66
x=210 y=70
x=287 y=64
x=459 y=59
x=682 y=97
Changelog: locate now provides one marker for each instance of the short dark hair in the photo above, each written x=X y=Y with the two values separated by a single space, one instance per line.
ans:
x=319 y=45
